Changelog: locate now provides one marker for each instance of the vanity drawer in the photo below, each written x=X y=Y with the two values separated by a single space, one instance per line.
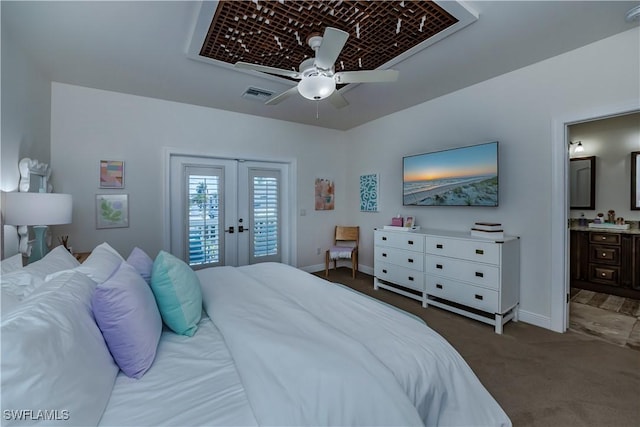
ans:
x=607 y=275
x=604 y=254
x=402 y=258
x=605 y=238
x=471 y=250
x=471 y=296
x=400 y=239
x=402 y=276
x=471 y=272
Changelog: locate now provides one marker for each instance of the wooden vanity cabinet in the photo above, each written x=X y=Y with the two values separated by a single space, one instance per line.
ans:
x=605 y=262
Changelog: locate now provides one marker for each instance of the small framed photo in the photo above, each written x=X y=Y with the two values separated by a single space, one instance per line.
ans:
x=112 y=210
x=409 y=222
x=111 y=174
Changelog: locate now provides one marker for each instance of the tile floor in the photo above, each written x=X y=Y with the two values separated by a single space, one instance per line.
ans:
x=612 y=318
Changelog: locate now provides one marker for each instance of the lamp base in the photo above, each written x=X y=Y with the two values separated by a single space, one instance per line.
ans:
x=39 y=248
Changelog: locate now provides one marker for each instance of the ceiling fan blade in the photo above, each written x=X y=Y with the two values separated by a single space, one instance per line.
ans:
x=337 y=100
x=369 y=76
x=284 y=95
x=333 y=41
x=270 y=70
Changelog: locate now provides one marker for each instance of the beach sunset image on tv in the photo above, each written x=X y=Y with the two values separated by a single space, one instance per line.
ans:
x=466 y=176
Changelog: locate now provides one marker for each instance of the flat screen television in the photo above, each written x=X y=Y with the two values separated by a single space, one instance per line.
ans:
x=465 y=176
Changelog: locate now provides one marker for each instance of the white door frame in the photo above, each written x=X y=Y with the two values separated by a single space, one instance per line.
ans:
x=560 y=205
x=290 y=237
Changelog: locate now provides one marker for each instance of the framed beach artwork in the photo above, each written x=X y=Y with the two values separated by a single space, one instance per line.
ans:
x=112 y=210
x=324 y=194
x=635 y=181
x=111 y=174
x=369 y=192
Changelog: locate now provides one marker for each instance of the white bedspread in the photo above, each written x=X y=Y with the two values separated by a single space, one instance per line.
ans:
x=309 y=352
x=192 y=382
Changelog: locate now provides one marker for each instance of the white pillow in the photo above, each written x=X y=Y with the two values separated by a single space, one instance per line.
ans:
x=102 y=263
x=10 y=264
x=23 y=281
x=54 y=356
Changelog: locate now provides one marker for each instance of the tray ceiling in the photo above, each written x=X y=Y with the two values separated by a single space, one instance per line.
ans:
x=274 y=33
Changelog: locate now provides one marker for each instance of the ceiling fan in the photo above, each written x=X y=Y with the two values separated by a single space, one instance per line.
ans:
x=317 y=75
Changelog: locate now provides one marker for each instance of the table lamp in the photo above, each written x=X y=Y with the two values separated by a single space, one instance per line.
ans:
x=38 y=210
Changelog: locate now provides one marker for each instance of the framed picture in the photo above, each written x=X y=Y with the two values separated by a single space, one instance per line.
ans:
x=635 y=180
x=369 y=192
x=324 y=194
x=111 y=174
x=112 y=210
x=409 y=222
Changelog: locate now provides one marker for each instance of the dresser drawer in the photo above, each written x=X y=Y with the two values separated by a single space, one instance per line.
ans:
x=607 y=238
x=461 y=293
x=402 y=276
x=400 y=239
x=400 y=257
x=472 y=272
x=604 y=254
x=608 y=275
x=471 y=250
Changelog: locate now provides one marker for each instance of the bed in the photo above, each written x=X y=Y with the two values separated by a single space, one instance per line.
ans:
x=271 y=345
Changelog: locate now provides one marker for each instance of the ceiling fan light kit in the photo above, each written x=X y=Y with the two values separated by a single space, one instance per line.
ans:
x=317 y=87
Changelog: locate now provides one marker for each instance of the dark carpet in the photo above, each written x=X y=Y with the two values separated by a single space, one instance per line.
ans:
x=539 y=377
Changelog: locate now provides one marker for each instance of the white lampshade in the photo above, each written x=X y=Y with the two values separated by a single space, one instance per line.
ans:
x=316 y=87
x=37 y=208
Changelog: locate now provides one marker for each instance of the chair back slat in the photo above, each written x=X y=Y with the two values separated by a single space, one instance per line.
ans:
x=344 y=233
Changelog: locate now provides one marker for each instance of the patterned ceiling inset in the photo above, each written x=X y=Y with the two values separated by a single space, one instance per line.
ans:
x=274 y=33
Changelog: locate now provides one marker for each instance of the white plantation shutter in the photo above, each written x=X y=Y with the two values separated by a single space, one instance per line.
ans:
x=264 y=202
x=204 y=216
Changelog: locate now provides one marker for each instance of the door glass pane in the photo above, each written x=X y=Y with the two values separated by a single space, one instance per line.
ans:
x=203 y=219
x=265 y=215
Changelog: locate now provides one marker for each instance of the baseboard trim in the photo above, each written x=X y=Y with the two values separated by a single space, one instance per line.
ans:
x=534 y=319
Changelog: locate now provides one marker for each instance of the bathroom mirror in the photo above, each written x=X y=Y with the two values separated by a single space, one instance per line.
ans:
x=582 y=183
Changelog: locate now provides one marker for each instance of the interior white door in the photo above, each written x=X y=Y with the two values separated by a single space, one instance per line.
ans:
x=227 y=212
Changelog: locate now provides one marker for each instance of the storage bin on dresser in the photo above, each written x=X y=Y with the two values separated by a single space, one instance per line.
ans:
x=472 y=276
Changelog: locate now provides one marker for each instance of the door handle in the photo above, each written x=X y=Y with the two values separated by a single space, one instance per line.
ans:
x=230 y=230
x=240 y=228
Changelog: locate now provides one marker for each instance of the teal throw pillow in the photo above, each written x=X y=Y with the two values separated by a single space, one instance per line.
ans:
x=177 y=291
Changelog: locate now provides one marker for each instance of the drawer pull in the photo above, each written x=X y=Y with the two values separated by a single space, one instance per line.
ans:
x=410 y=278
x=410 y=242
x=384 y=255
x=409 y=260
x=479 y=252
x=438 y=285
x=479 y=274
x=480 y=297
x=604 y=254
x=604 y=274
x=384 y=271
x=384 y=238
x=439 y=266
x=439 y=246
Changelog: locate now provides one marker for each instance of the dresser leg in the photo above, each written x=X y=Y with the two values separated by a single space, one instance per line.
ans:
x=498 y=323
x=424 y=300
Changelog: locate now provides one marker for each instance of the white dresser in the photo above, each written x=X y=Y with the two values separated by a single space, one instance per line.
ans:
x=472 y=276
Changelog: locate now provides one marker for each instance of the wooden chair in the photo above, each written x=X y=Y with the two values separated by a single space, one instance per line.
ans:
x=345 y=246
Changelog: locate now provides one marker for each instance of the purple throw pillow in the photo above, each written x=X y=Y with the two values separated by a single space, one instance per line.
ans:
x=126 y=313
x=142 y=262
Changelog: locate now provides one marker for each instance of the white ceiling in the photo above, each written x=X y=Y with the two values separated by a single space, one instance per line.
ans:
x=140 y=47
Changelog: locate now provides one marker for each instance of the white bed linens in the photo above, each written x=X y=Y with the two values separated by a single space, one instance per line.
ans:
x=192 y=382
x=383 y=367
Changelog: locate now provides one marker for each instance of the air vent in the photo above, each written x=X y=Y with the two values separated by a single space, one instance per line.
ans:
x=257 y=94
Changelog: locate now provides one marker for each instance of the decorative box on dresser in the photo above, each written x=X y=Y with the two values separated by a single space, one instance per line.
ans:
x=472 y=276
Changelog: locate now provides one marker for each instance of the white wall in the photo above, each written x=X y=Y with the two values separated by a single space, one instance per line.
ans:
x=518 y=110
x=611 y=140
x=26 y=102
x=90 y=125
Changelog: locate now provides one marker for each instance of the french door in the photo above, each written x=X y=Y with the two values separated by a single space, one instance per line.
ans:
x=228 y=212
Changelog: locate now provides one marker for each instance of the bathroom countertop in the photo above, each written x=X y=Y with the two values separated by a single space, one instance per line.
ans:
x=630 y=230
